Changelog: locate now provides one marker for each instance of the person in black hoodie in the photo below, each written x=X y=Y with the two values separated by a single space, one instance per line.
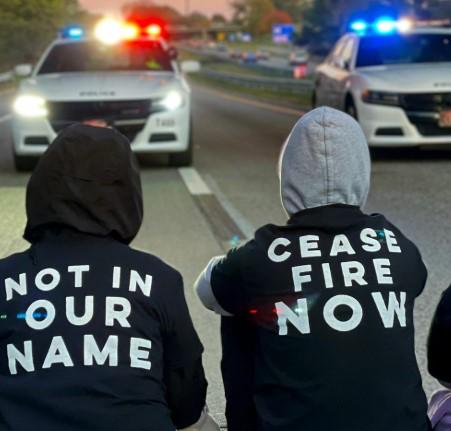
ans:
x=94 y=335
x=325 y=302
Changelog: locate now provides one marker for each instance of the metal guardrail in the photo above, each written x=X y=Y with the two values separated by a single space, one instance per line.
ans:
x=276 y=84
x=221 y=57
x=5 y=77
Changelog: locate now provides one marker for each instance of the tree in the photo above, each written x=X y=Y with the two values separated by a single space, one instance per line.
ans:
x=251 y=13
x=197 y=20
x=146 y=10
x=218 y=19
x=274 y=17
x=294 y=8
x=27 y=26
x=240 y=11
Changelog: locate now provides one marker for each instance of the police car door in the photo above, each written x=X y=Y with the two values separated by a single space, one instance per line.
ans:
x=326 y=77
x=342 y=64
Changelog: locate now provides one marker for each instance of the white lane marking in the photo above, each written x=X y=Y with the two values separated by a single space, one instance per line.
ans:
x=235 y=214
x=197 y=186
x=194 y=182
x=255 y=103
x=5 y=118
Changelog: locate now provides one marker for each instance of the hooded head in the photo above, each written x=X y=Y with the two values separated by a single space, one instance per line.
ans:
x=325 y=161
x=87 y=180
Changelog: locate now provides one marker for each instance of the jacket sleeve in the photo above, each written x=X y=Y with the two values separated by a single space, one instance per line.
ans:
x=221 y=287
x=184 y=378
x=439 y=348
x=186 y=390
x=204 y=288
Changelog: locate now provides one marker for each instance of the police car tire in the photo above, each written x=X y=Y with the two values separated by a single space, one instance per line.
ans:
x=314 y=104
x=24 y=163
x=351 y=109
x=184 y=158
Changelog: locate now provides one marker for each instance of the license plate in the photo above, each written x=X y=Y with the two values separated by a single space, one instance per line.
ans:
x=445 y=119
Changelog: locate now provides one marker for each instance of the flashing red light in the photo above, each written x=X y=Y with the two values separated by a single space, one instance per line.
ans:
x=253 y=311
x=130 y=31
x=154 y=30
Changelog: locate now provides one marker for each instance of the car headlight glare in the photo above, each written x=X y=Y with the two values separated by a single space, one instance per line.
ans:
x=172 y=101
x=30 y=106
x=381 y=98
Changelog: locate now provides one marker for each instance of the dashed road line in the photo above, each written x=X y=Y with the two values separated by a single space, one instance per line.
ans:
x=227 y=224
x=242 y=222
x=194 y=182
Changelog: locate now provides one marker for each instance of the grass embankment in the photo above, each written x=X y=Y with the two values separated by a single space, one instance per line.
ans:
x=299 y=101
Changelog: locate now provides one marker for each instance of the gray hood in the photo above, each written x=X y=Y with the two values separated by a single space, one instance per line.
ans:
x=325 y=161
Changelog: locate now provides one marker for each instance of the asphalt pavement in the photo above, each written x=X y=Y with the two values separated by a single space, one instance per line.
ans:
x=234 y=182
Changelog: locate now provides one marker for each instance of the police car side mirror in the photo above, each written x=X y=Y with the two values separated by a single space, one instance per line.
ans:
x=190 y=66
x=23 y=70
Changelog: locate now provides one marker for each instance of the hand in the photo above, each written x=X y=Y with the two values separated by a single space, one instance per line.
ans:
x=205 y=423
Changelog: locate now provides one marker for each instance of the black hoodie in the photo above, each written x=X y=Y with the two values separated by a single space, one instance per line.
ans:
x=93 y=334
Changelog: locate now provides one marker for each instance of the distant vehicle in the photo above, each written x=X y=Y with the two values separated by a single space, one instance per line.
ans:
x=249 y=57
x=262 y=55
x=299 y=58
x=130 y=81
x=235 y=54
x=395 y=80
x=222 y=47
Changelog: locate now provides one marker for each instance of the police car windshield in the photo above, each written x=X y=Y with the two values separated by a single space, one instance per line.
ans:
x=96 y=57
x=404 y=49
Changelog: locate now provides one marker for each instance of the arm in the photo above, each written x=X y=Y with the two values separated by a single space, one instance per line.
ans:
x=205 y=423
x=221 y=287
x=186 y=390
x=184 y=378
x=439 y=349
x=204 y=288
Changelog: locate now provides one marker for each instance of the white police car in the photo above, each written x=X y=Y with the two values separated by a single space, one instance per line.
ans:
x=126 y=77
x=395 y=78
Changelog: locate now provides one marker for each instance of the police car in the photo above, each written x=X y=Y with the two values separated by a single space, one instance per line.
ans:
x=395 y=78
x=124 y=76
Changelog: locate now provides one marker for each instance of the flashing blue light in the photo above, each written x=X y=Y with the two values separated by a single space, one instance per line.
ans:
x=73 y=32
x=386 y=25
x=359 y=26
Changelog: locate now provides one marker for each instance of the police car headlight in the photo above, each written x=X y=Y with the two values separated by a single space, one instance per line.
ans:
x=172 y=101
x=381 y=98
x=30 y=106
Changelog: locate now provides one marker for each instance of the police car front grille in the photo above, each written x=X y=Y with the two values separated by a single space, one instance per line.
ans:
x=63 y=114
x=426 y=102
x=423 y=110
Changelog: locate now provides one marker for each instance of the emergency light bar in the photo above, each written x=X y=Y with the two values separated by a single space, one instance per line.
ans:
x=111 y=31
x=383 y=26
x=73 y=32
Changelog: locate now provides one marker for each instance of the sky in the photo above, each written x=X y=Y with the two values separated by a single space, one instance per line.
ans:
x=208 y=7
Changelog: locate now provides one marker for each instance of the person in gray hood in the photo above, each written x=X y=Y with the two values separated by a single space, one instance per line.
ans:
x=317 y=327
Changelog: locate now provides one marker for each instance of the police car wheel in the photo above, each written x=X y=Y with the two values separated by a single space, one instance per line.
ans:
x=184 y=158
x=24 y=163
x=314 y=103
x=351 y=109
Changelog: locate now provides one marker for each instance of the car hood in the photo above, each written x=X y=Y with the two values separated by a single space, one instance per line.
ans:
x=100 y=86
x=410 y=78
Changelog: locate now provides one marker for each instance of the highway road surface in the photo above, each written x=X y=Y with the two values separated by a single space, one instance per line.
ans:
x=194 y=214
